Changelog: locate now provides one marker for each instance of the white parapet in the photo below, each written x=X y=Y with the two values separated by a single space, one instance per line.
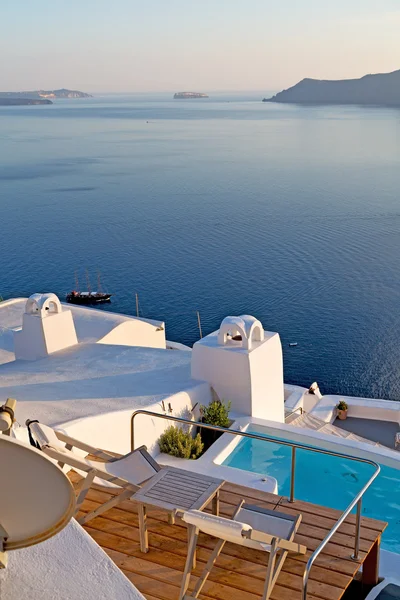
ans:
x=244 y=364
x=46 y=328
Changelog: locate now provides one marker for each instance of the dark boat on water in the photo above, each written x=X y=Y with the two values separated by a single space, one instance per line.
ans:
x=75 y=297
x=89 y=297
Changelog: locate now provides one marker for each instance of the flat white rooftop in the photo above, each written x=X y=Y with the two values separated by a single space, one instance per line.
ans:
x=89 y=378
x=91 y=324
x=69 y=566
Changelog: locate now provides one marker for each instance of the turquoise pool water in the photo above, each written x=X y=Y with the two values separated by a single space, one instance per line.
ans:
x=325 y=480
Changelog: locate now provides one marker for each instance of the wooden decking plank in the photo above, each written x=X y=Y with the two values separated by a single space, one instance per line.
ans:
x=171 y=576
x=179 y=546
x=148 y=585
x=311 y=521
x=174 y=545
x=315 y=509
x=162 y=528
x=236 y=573
x=232 y=499
x=317 y=531
x=220 y=579
x=250 y=493
x=239 y=572
x=326 y=523
x=306 y=532
x=326 y=517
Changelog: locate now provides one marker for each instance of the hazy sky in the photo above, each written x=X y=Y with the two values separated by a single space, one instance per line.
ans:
x=202 y=45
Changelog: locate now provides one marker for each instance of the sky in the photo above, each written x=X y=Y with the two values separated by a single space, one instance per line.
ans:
x=198 y=45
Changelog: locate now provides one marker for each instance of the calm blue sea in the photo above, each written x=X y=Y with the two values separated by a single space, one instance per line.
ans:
x=225 y=206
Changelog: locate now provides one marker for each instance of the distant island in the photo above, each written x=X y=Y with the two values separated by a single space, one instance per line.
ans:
x=23 y=101
x=43 y=94
x=187 y=95
x=382 y=89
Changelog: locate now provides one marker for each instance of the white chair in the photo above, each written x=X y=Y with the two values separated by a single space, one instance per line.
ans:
x=254 y=527
x=128 y=472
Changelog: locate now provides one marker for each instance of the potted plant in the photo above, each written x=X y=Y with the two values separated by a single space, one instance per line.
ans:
x=216 y=413
x=342 y=409
x=179 y=443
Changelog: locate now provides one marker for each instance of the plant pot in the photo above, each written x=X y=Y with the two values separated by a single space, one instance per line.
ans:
x=208 y=436
x=342 y=414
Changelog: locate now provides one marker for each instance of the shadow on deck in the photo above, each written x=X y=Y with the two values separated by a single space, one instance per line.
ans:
x=240 y=572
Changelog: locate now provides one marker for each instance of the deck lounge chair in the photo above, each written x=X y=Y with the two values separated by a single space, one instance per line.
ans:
x=388 y=589
x=127 y=472
x=251 y=526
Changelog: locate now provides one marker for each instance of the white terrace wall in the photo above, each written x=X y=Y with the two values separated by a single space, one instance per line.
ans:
x=136 y=332
x=112 y=431
x=244 y=364
x=46 y=328
x=362 y=408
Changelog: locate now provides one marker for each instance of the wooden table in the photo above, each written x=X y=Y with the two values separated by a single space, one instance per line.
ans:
x=175 y=490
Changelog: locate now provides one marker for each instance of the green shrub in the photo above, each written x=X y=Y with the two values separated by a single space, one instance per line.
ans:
x=176 y=442
x=342 y=405
x=216 y=413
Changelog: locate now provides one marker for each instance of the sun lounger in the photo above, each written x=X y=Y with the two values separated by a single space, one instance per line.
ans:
x=128 y=472
x=254 y=527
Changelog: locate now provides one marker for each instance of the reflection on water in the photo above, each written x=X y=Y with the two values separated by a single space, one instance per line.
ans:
x=288 y=213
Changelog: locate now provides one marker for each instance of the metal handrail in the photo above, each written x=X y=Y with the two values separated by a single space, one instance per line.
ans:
x=293 y=412
x=294 y=445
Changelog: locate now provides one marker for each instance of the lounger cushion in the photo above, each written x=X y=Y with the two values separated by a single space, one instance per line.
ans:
x=133 y=467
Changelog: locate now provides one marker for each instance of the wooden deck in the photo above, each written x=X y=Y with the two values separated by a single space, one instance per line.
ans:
x=239 y=572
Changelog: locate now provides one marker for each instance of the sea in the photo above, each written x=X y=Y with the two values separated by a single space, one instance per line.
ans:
x=224 y=206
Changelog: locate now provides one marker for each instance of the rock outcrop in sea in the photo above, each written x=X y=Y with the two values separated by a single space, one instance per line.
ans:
x=382 y=89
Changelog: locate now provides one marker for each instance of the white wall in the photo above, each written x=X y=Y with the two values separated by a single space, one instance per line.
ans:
x=266 y=374
x=227 y=372
x=297 y=397
x=69 y=566
x=363 y=408
x=40 y=337
x=112 y=431
x=252 y=380
x=136 y=332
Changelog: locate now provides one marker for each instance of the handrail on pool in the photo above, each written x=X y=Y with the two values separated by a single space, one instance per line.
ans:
x=294 y=445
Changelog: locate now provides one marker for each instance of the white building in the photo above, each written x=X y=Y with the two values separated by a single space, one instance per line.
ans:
x=85 y=371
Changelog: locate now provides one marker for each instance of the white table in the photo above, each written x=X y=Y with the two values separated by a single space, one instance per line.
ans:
x=175 y=490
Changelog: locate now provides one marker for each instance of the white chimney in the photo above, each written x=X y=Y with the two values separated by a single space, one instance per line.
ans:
x=244 y=364
x=46 y=328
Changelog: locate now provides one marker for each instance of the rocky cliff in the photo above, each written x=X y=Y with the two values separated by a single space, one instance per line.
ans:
x=382 y=89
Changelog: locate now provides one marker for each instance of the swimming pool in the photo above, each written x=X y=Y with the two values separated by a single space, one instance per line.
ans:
x=326 y=480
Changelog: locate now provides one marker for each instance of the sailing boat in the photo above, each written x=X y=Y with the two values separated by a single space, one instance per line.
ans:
x=89 y=297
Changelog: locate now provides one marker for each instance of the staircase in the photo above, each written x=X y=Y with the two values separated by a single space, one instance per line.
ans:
x=307 y=421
